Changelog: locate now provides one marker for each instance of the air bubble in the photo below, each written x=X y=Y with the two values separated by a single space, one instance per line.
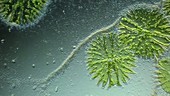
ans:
x=74 y=47
x=13 y=85
x=13 y=61
x=34 y=87
x=29 y=77
x=61 y=49
x=2 y=40
x=80 y=7
x=54 y=61
x=33 y=65
x=64 y=12
x=5 y=65
x=47 y=63
x=56 y=89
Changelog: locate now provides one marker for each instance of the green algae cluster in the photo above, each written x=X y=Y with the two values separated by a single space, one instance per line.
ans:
x=146 y=31
x=110 y=62
x=22 y=13
x=143 y=32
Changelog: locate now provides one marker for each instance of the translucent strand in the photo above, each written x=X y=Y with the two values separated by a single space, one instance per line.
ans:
x=58 y=70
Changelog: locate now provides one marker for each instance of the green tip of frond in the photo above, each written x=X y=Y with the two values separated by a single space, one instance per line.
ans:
x=163 y=74
x=166 y=7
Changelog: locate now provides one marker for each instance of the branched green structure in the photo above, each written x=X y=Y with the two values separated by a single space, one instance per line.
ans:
x=163 y=74
x=109 y=61
x=146 y=31
x=22 y=13
x=166 y=7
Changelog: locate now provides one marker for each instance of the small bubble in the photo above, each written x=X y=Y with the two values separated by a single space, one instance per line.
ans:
x=80 y=7
x=54 y=61
x=56 y=89
x=13 y=61
x=64 y=12
x=49 y=54
x=61 y=49
x=47 y=63
x=33 y=65
x=13 y=86
x=44 y=86
x=29 y=77
x=34 y=87
x=2 y=40
x=74 y=47
x=12 y=95
x=5 y=65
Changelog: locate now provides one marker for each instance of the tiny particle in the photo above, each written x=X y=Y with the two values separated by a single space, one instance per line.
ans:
x=34 y=87
x=29 y=77
x=5 y=65
x=54 y=61
x=47 y=63
x=17 y=48
x=113 y=16
x=44 y=86
x=13 y=61
x=80 y=7
x=56 y=89
x=61 y=49
x=74 y=47
x=72 y=84
x=2 y=40
x=64 y=12
x=33 y=65
x=12 y=95
x=49 y=54
x=13 y=85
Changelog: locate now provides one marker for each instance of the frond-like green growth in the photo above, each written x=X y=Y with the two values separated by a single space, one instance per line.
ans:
x=166 y=7
x=163 y=74
x=22 y=13
x=108 y=61
x=146 y=31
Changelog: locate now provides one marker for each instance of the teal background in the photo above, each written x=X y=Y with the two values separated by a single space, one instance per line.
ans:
x=48 y=43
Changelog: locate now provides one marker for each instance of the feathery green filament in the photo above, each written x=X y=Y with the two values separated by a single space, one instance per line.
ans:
x=166 y=7
x=146 y=31
x=164 y=74
x=109 y=61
